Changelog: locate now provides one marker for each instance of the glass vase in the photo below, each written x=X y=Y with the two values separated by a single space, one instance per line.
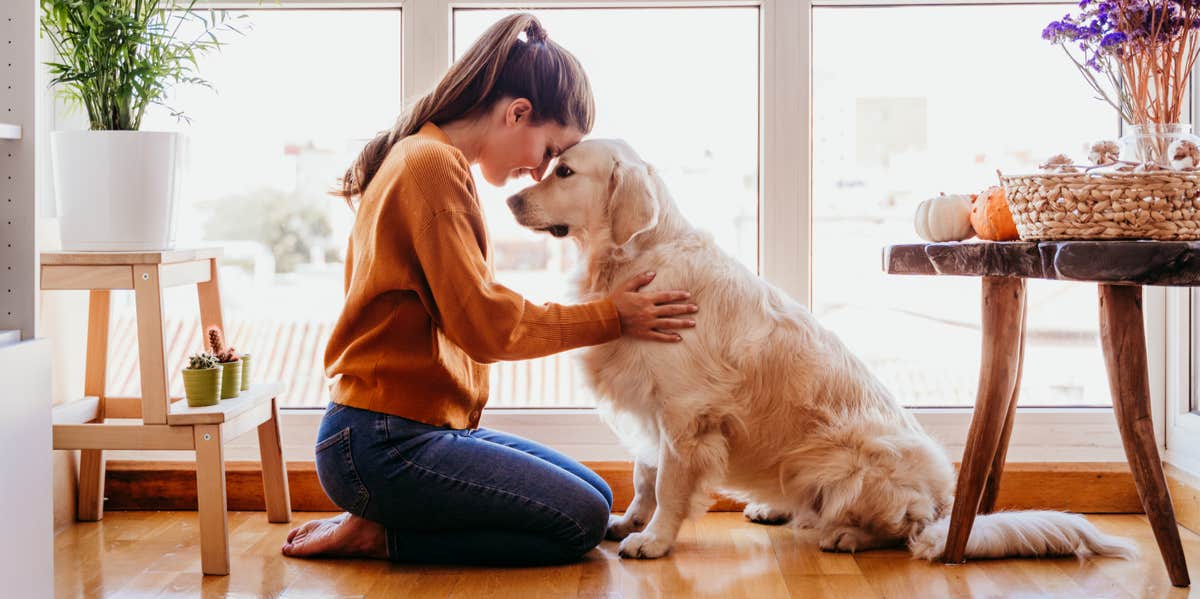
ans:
x=1150 y=142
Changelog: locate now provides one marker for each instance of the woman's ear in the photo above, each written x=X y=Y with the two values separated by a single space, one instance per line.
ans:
x=633 y=204
x=519 y=112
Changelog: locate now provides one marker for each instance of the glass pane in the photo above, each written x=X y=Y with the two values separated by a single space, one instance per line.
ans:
x=939 y=106
x=1194 y=351
x=689 y=107
x=288 y=117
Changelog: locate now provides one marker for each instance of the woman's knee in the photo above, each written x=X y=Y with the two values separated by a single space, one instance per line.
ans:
x=591 y=522
x=607 y=493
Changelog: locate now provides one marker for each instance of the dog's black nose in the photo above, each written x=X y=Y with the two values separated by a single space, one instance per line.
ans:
x=516 y=203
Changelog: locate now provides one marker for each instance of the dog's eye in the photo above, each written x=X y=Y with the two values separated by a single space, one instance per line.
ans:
x=563 y=171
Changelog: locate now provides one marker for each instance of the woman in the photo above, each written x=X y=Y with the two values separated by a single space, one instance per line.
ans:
x=399 y=449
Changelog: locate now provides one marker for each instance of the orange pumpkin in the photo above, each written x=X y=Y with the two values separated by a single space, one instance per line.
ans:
x=991 y=218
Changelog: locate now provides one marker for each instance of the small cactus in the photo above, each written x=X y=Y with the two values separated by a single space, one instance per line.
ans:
x=202 y=361
x=216 y=342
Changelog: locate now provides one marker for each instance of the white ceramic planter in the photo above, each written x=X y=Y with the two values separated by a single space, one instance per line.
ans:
x=116 y=190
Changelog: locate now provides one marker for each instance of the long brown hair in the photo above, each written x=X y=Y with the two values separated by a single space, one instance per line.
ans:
x=513 y=59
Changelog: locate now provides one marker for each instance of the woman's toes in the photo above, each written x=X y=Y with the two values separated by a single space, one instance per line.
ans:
x=295 y=532
x=337 y=536
x=309 y=538
x=299 y=532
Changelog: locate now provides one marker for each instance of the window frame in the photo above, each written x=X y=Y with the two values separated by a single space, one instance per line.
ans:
x=784 y=103
x=1178 y=425
x=785 y=251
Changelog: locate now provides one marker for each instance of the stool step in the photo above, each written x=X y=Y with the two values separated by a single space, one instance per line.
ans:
x=76 y=412
x=130 y=258
x=227 y=409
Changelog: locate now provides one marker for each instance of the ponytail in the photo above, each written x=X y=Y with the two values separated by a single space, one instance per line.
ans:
x=514 y=58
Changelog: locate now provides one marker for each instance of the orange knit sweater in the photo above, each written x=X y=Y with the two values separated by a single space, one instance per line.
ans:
x=423 y=317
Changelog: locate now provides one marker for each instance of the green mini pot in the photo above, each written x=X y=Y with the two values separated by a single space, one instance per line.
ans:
x=202 y=386
x=245 y=372
x=231 y=378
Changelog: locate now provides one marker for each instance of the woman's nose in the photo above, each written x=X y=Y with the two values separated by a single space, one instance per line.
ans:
x=539 y=171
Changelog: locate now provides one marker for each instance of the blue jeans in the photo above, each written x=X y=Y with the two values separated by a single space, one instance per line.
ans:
x=460 y=496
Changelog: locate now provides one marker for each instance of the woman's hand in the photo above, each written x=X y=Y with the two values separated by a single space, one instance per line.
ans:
x=651 y=315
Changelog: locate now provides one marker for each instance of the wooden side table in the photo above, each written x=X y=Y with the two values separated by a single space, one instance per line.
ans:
x=1120 y=268
x=165 y=423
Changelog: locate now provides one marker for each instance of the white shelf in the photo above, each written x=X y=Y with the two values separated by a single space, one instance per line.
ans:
x=10 y=131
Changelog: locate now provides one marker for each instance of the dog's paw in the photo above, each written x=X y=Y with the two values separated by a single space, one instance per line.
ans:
x=622 y=526
x=762 y=513
x=846 y=539
x=806 y=519
x=642 y=545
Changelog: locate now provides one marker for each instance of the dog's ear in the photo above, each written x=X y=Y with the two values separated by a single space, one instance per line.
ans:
x=633 y=203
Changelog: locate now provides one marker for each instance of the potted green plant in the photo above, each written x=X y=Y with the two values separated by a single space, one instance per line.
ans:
x=229 y=361
x=202 y=380
x=115 y=185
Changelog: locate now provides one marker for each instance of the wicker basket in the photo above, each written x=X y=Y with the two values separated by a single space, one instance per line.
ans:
x=1056 y=206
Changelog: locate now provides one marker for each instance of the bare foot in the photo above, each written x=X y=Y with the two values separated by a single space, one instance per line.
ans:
x=340 y=536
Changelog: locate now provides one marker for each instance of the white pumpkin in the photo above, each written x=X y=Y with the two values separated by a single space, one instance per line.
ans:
x=945 y=218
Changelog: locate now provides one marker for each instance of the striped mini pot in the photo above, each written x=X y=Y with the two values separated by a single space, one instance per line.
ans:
x=202 y=386
x=231 y=379
x=245 y=372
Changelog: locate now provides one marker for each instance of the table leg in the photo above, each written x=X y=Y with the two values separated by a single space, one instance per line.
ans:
x=209 y=294
x=274 y=469
x=1003 y=311
x=152 y=355
x=1124 y=340
x=211 y=501
x=90 y=507
x=991 y=490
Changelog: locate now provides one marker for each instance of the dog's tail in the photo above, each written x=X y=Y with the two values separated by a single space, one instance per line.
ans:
x=1023 y=534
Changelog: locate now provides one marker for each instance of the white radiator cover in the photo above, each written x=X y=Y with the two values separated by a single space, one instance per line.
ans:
x=27 y=545
x=26 y=492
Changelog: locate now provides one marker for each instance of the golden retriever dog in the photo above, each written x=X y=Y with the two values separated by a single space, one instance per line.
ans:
x=759 y=401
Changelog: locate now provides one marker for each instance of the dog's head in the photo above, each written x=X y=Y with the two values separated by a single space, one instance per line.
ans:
x=599 y=192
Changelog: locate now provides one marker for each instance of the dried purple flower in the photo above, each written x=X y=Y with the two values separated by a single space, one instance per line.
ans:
x=1115 y=42
x=1112 y=40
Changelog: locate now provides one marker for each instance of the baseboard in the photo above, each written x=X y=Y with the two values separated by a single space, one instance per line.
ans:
x=1185 y=497
x=1085 y=487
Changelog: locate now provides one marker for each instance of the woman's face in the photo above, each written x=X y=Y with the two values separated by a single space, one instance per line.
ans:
x=516 y=146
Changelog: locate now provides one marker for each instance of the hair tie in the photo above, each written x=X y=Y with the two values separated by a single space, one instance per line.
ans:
x=535 y=33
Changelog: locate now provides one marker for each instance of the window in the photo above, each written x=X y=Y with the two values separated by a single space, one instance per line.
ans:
x=722 y=110
x=700 y=132
x=287 y=118
x=1182 y=366
x=939 y=105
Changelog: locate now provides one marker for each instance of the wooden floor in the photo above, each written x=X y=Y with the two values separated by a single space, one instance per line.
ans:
x=155 y=554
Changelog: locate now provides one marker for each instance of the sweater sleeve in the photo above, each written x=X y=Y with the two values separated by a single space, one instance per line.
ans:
x=487 y=320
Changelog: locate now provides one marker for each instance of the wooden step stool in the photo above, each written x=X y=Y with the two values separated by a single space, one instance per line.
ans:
x=165 y=424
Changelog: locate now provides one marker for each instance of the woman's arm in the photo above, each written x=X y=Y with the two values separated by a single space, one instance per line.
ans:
x=488 y=320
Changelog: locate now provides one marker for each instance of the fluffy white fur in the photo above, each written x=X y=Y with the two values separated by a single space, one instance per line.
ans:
x=759 y=401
